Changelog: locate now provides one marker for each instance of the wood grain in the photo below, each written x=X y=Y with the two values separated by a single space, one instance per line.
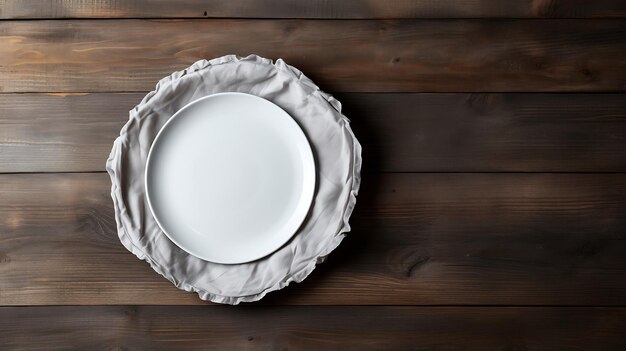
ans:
x=340 y=55
x=474 y=229
x=311 y=328
x=400 y=132
x=353 y=9
x=418 y=239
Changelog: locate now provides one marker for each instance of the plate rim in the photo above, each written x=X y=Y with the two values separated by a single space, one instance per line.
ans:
x=308 y=201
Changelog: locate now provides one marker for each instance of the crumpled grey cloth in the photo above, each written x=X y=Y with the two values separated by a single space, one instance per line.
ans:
x=338 y=158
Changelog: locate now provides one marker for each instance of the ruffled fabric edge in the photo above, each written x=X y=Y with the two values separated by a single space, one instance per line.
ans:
x=297 y=277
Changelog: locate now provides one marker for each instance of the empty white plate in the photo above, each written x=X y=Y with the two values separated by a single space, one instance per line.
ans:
x=230 y=178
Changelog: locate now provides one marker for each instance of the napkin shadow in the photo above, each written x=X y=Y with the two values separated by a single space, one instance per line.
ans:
x=360 y=253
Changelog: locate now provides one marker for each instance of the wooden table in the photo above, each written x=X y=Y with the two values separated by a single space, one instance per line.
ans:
x=492 y=213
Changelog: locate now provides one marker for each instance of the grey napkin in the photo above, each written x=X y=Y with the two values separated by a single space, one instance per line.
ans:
x=338 y=158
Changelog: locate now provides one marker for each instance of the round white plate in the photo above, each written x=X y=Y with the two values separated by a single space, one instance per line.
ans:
x=230 y=178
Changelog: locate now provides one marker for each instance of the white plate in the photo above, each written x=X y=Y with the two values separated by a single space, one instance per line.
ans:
x=230 y=178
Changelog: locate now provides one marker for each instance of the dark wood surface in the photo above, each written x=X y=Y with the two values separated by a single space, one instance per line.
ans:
x=491 y=214
x=315 y=328
x=340 y=55
x=352 y=9
x=418 y=239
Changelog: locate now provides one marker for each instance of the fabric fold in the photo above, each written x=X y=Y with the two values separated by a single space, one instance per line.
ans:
x=338 y=160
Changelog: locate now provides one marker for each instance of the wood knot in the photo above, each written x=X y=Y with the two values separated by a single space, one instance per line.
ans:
x=4 y=258
x=416 y=264
x=481 y=102
x=131 y=311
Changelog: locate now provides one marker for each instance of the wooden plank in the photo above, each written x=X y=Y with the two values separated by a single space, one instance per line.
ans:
x=311 y=328
x=418 y=239
x=490 y=132
x=353 y=9
x=400 y=132
x=341 y=55
x=60 y=132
